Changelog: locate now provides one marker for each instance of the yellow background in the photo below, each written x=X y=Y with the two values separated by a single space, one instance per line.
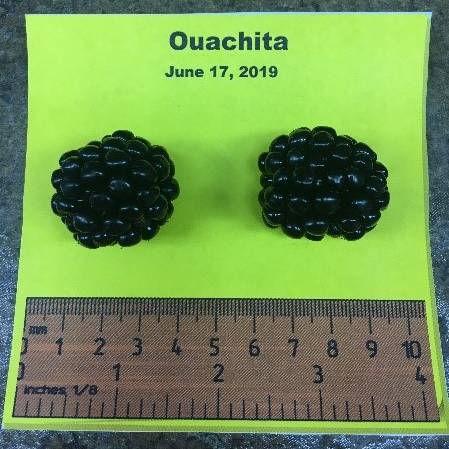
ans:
x=363 y=74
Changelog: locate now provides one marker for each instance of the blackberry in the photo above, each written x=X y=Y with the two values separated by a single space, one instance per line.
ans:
x=315 y=182
x=119 y=190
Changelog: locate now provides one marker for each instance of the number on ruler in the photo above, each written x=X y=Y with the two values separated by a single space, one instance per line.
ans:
x=319 y=374
x=294 y=342
x=412 y=349
x=218 y=372
x=419 y=376
x=21 y=374
x=101 y=344
x=332 y=348
x=116 y=368
x=213 y=343
x=88 y=389
x=138 y=345
x=371 y=345
x=24 y=346
x=254 y=348
x=175 y=347
x=59 y=342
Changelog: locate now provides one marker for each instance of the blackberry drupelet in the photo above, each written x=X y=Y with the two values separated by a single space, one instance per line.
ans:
x=316 y=182
x=119 y=190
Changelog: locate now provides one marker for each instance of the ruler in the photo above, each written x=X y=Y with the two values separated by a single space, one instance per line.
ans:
x=225 y=359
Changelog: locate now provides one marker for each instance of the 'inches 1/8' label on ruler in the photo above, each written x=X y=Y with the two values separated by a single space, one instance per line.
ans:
x=229 y=359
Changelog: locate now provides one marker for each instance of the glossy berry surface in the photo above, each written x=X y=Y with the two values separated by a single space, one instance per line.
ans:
x=117 y=190
x=315 y=182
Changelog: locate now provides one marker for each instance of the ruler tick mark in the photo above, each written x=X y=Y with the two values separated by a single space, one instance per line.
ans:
x=139 y=323
x=63 y=322
x=370 y=323
x=127 y=409
x=243 y=409
x=153 y=412
x=308 y=410
x=177 y=323
x=77 y=409
x=141 y=408
x=179 y=410
x=373 y=409
x=205 y=411
x=102 y=410
x=295 y=411
x=39 y=405
x=347 y=410
x=51 y=408
x=257 y=410
x=360 y=413
x=26 y=409
x=334 y=412
x=192 y=408
x=254 y=324
x=115 y=402
x=230 y=410
x=292 y=324
x=64 y=406
x=399 y=410
x=331 y=323
x=425 y=405
x=386 y=413
x=321 y=404
x=101 y=322
x=216 y=323
x=166 y=405
x=218 y=403
x=269 y=406
x=413 y=412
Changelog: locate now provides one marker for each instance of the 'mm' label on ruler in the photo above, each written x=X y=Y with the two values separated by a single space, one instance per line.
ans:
x=227 y=359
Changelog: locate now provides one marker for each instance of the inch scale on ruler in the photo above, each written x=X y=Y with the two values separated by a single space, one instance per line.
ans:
x=227 y=359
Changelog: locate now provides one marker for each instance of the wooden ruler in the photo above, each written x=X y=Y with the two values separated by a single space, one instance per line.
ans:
x=225 y=359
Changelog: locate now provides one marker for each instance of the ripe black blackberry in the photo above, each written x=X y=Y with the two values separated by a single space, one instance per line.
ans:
x=119 y=190
x=316 y=182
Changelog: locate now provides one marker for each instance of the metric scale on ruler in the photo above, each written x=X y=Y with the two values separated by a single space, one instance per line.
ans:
x=225 y=359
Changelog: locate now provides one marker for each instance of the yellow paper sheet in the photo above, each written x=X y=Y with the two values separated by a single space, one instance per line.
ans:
x=364 y=74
